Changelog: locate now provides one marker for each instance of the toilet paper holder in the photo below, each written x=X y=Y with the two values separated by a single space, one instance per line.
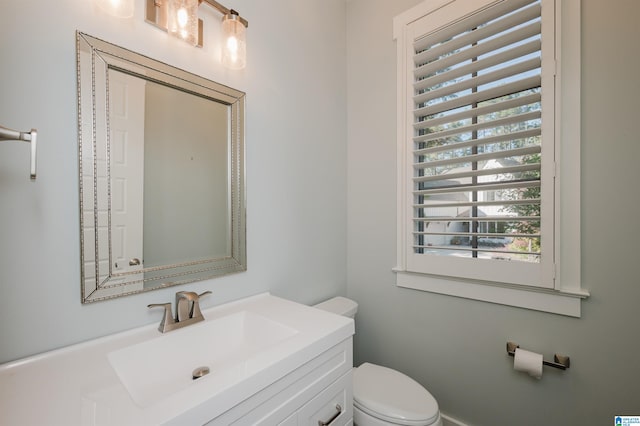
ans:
x=559 y=361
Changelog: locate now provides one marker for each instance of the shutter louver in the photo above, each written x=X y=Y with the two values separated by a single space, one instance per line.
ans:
x=477 y=135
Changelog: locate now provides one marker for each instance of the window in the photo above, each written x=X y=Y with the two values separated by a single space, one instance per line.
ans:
x=479 y=149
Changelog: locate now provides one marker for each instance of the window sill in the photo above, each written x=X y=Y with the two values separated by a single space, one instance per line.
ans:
x=552 y=301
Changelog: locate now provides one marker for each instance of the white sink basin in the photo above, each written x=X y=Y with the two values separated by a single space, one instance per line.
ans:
x=228 y=345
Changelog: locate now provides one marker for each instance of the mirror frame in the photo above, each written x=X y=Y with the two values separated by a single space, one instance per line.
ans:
x=98 y=279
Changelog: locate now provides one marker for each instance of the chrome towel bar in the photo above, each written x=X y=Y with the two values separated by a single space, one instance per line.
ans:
x=14 y=135
x=560 y=361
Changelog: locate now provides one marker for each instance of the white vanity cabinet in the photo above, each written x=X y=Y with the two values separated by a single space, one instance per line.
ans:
x=318 y=392
x=272 y=361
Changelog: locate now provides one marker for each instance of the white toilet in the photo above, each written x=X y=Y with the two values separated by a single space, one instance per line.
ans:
x=382 y=396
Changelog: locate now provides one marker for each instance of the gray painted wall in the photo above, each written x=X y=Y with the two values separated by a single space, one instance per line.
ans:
x=296 y=161
x=454 y=346
x=186 y=174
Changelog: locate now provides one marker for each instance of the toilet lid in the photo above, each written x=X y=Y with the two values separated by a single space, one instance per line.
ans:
x=392 y=396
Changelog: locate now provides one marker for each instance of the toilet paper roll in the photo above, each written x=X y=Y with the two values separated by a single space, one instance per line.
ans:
x=529 y=362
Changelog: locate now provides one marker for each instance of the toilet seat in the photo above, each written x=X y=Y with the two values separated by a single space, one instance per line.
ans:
x=391 y=396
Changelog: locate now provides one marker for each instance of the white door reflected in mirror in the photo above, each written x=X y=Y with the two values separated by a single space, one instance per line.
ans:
x=126 y=107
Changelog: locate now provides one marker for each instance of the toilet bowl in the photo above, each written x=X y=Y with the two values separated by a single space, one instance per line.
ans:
x=383 y=396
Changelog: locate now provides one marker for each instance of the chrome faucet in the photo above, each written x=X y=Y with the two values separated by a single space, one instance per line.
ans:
x=187 y=311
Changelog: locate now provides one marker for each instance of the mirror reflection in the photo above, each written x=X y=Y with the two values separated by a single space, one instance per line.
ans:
x=161 y=162
x=168 y=148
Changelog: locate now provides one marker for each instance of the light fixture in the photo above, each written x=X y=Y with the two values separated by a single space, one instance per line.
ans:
x=234 y=45
x=180 y=18
x=117 y=8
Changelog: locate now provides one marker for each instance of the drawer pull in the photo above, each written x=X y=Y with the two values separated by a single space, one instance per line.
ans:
x=335 y=416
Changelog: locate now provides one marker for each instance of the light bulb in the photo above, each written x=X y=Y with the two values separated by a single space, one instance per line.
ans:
x=232 y=44
x=183 y=17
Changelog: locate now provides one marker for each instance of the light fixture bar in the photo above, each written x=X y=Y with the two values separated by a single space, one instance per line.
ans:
x=178 y=17
x=156 y=15
x=225 y=11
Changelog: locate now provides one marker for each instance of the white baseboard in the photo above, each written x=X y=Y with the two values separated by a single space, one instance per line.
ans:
x=450 y=421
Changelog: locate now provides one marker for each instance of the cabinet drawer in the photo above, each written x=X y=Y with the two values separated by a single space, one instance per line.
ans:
x=292 y=420
x=333 y=406
x=276 y=403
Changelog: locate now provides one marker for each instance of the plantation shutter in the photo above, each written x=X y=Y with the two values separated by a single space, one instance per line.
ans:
x=476 y=146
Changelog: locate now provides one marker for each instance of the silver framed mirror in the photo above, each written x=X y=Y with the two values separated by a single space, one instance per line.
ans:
x=161 y=163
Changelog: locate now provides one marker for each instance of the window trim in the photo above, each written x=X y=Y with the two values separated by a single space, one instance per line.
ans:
x=566 y=295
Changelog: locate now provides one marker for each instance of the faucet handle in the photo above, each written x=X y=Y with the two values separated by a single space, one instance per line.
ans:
x=167 y=319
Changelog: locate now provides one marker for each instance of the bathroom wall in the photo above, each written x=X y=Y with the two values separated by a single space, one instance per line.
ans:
x=299 y=147
x=296 y=161
x=454 y=346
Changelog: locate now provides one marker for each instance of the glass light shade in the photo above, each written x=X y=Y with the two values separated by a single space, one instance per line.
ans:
x=182 y=20
x=117 y=8
x=234 y=45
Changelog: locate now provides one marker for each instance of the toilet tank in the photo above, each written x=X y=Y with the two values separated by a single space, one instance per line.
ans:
x=339 y=305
